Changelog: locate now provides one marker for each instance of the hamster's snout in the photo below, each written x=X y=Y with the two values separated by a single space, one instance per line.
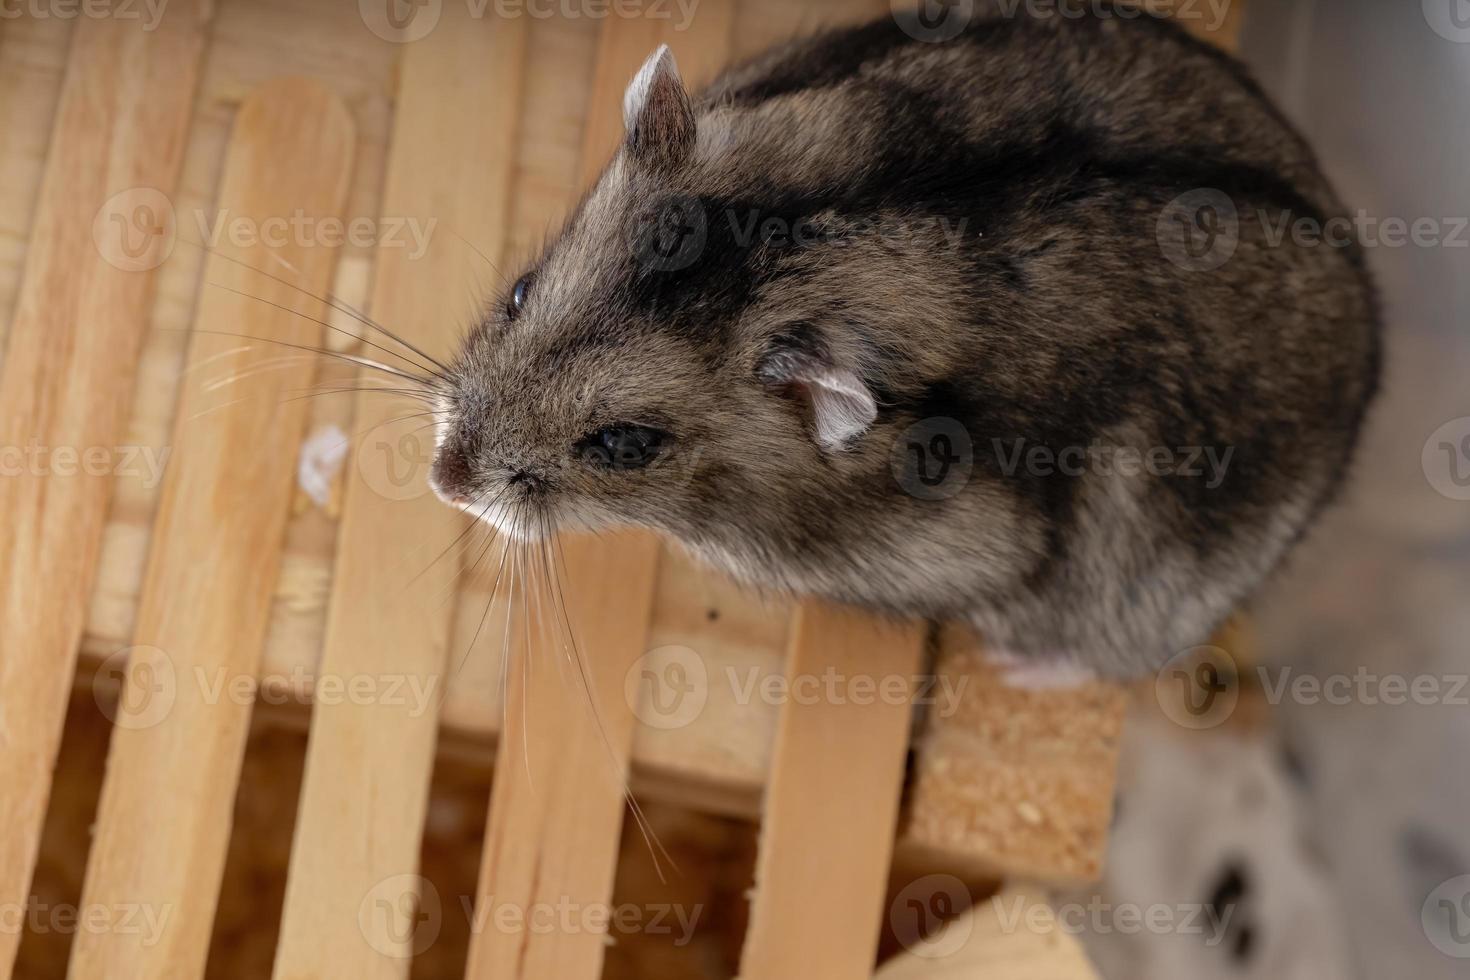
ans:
x=450 y=475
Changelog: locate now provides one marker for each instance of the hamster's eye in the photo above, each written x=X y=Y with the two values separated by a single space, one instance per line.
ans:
x=622 y=447
x=519 y=293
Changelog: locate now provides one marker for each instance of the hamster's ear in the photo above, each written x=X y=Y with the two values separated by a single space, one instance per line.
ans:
x=658 y=114
x=842 y=407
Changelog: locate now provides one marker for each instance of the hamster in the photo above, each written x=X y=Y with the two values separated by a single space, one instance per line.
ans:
x=1014 y=327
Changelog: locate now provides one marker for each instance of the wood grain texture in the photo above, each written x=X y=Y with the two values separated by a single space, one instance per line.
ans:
x=164 y=817
x=831 y=804
x=370 y=759
x=68 y=371
x=558 y=798
x=32 y=56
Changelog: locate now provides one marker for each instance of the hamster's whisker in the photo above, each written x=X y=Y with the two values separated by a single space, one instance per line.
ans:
x=475 y=523
x=494 y=590
x=264 y=367
x=506 y=646
x=410 y=393
x=621 y=770
x=488 y=261
x=431 y=372
x=332 y=301
x=365 y=362
x=526 y=661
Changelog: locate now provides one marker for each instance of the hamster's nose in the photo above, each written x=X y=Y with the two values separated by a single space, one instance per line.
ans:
x=450 y=474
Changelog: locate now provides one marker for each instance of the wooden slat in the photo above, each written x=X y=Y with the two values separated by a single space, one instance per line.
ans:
x=369 y=761
x=32 y=56
x=719 y=760
x=556 y=807
x=67 y=374
x=164 y=818
x=831 y=803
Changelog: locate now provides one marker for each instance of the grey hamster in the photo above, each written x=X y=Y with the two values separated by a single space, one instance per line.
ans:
x=1013 y=327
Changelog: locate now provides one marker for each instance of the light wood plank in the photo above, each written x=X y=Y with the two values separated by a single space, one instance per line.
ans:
x=369 y=761
x=164 y=817
x=557 y=803
x=32 y=59
x=68 y=370
x=831 y=803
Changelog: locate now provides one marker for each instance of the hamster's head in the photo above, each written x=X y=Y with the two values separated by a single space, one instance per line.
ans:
x=664 y=363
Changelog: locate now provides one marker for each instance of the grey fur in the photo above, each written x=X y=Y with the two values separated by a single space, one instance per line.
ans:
x=987 y=230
